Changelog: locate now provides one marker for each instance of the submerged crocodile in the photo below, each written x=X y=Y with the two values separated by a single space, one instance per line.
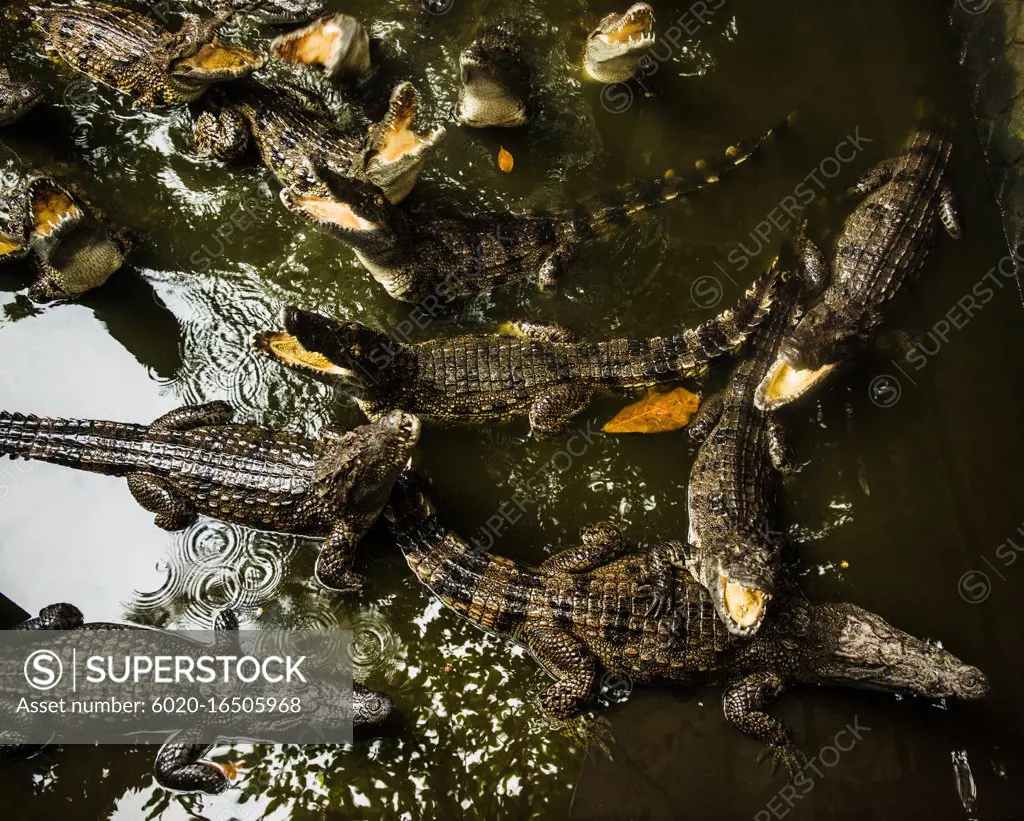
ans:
x=193 y=461
x=17 y=97
x=423 y=256
x=181 y=765
x=534 y=370
x=589 y=609
x=733 y=549
x=337 y=42
x=495 y=89
x=73 y=247
x=618 y=44
x=131 y=53
x=298 y=140
x=882 y=246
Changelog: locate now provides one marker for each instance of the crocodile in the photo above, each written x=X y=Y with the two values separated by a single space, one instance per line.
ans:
x=533 y=369
x=131 y=53
x=298 y=140
x=17 y=97
x=273 y=11
x=337 y=42
x=181 y=765
x=74 y=248
x=496 y=90
x=732 y=548
x=616 y=47
x=420 y=256
x=882 y=246
x=595 y=608
x=192 y=461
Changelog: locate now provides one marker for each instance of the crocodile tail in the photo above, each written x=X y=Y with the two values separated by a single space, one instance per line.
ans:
x=86 y=444
x=602 y=214
x=441 y=560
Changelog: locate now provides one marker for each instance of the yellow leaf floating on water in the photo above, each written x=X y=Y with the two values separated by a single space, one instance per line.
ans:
x=657 y=412
x=844 y=564
x=230 y=770
x=505 y=160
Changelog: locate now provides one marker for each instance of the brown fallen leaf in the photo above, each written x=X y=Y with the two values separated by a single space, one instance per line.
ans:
x=505 y=160
x=657 y=412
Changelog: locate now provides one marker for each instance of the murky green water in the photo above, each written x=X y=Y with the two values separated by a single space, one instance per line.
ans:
x=897 y=500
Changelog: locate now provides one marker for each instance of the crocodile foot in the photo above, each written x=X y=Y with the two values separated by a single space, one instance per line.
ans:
x=660 y=593
x=788 y=755
x=590 y=731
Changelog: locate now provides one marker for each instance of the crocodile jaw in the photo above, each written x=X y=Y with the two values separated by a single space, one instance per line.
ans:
x=331 y=212
x=615 y=47
x=10 y=246
x=215 y=62
x=286 y=349
x=338 y=42
x=784 y=384
x=398 y=153
x=743 y=606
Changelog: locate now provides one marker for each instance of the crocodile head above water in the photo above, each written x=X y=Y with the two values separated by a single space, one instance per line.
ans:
x=851 y=646
x=357 y=469
x=338 y=42
x=17 y=97
x=361 y=359
x=820 y=341
x=395 y=153
x=75 y=247
x=741 y=592
x=615 y=48
x=370 y=709
x=495 y=81
x=357 y=212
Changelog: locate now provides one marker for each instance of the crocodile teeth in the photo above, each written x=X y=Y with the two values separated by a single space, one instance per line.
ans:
x=51 y=210
x=336 y=213
x=338 y=42
x=783 y=384
x=286 y=349
x=745 y=605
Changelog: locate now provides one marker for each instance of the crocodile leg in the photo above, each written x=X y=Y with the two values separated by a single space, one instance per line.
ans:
x=336 y=555
x=565 y=658
x=812 y=261
x=706 y=417
x=660 y=585
x=554 y=409
x=554 y=266
x=188 y=417
x=61 y=616
x=742 y=704
x=948 y=212
x=779 y=450
x=600 y=543
x=874 y=178
x=178 y=767
x=46 y=287
x=157 y=495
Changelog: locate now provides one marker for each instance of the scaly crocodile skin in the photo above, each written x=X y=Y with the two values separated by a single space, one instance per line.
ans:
x=590 y=609
x=192 y=461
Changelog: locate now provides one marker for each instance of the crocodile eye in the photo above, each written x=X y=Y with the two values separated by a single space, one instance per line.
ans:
x=356 y=350
x=379 y=200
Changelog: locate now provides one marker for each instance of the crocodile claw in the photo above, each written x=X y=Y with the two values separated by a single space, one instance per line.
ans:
x=347 y=582
x=789 y=755
x=661 y=595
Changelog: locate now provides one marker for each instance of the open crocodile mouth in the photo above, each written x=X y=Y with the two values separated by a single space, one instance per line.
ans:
x=335 y=41
x=398 y=139
x=10 y=245
x=52 y=210
x=218 y=61
x=332 y=212
x=286 y=349
x=784 y=384
x=744 y=605
x=633 y=28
